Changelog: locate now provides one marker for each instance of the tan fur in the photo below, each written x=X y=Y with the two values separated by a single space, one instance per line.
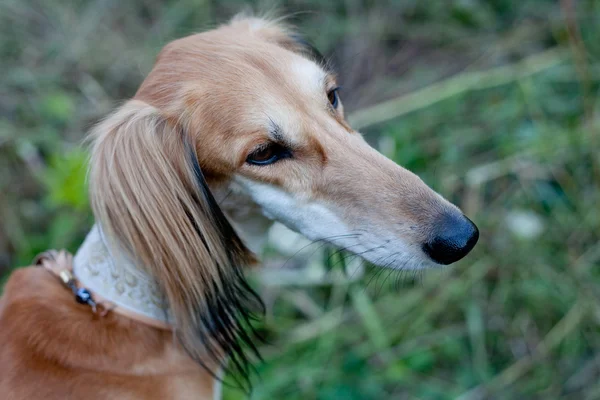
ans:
x=208 y=97
x=55 y=349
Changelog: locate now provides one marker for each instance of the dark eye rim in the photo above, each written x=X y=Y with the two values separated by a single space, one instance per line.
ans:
x=335 y=101
x=279 y=152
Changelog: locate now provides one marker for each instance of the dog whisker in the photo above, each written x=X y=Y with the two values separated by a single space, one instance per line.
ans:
x=322 y=243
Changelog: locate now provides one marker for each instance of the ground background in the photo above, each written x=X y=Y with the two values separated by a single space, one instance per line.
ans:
x=494 y=103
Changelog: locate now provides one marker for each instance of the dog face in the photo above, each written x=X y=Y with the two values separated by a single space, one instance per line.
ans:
x=250 y=106
x=265 y=115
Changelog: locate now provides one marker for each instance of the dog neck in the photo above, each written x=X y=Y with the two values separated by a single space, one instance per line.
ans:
x=110 y=274
x=105 y=269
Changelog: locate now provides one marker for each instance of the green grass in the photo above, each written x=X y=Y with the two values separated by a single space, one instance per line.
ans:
x=493 y=103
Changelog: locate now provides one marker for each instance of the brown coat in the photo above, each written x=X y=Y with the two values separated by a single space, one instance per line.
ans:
x=53 y=348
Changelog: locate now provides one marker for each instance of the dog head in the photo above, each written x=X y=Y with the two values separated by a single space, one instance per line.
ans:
x=250 y=105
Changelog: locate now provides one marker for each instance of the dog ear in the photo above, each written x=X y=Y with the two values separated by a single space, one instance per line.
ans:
x=275 y=30
x=148 y=192
x=298 y=44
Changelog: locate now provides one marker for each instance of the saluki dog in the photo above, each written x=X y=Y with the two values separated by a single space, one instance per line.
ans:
x=232 y=129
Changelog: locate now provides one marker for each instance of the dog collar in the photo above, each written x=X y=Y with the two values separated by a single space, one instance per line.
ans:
x=60 y=264
x=111 y=276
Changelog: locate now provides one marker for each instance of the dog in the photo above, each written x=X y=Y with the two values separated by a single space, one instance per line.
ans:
x=233 y=128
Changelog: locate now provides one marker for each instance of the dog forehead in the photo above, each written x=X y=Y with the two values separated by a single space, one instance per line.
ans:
x=285 y=92
x=308 y=75
x=292 y=106
x=279 y=69
x=238 y=83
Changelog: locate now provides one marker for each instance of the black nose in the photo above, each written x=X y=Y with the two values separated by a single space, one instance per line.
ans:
x=453 y=238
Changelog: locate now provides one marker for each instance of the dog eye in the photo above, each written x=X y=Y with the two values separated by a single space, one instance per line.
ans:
x=268 y=154
x=333 y=97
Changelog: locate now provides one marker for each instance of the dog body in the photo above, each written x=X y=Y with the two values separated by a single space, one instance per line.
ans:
x=55 y=349
x=250 y=113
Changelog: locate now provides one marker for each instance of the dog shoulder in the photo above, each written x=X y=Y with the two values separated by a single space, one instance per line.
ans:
x=22 y=310
x=27 y=303
x=27 y=290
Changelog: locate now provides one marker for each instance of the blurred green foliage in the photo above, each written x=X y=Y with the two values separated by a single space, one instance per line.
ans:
x=519 y=318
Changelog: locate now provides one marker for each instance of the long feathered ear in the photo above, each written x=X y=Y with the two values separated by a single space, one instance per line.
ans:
x=148 y=192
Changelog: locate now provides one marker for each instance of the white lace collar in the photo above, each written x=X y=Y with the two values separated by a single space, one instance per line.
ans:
x=109 y=273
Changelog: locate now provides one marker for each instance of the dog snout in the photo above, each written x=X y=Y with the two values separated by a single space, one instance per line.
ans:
x=453 y=237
